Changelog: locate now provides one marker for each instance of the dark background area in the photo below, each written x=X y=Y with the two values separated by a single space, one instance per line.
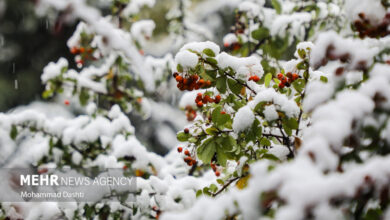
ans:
x=27 y=44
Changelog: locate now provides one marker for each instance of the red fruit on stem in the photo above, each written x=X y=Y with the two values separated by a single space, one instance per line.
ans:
x=74 y=50
x=199 y=104
x=186 y=130
x=179 y=149
x=179 y=78
x=187 y=152
x=217 y=99
x=256 y=78
x=281 y=85
x=66 y=102
x=217 y=173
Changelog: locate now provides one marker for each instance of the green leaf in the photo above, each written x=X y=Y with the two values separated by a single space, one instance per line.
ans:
x=182 y=136
x=209 y=52
x=83 y=97
x=292 y=123
x=207 y=150
x=260 y=33
x=221 y=84
x=267 y=79
x=47 y=93
x=287 y=129
x=221 y=156
x=13 y=132
x=234 y=86
x=265 y=142
x=211 y=131
x=301 y=53
x=212 y=74
x=221 y=182
x=324 y=79
x=213 y=188
x=211 y=60
x=302 y=65
x=270 y=157
x=218 y=118
x=199 y=193
x=179 y=68
x=277 y=6
x=299 y=85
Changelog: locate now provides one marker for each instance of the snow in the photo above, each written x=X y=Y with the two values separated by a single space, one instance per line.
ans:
x=53 y=70
x=294 y=21
x=187 y=59
x=281 y=102
x=332 y=111
x=357 y=51
x=243 y=65
x=270 y=113
x=135 y=6
x=229 y=39
x=243 y=119
x=142 y=29
x=252 y=9
x=200 y=46
x=372 y=9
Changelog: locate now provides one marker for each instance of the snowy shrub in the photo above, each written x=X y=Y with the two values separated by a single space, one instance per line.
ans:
x=288 y=120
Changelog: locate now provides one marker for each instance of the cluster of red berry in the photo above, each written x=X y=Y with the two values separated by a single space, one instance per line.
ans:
x=200 y=99
x=85 y=54
x=191 y=82
x=214 y=167
x=234 y=46
x=190 y=113
x=364 y=27
x=287 y=80
x=78 y=50
x=254 y=78
x=188 y=159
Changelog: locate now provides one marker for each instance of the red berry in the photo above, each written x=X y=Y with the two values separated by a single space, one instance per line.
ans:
x=226 y=44
x=280 y=76
x=82 y=49
x=217 y=173
x=206 y=99
x=223 y=112
x=187 y=159
x=74 y=50
x=217 y=99
x=187 y=152
x=200 y=104
x=179 y=78
x=281 y=85
x=186 y=130
x=179 y=149
x=256 y=78
x=295 y=76
x=66 y=102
